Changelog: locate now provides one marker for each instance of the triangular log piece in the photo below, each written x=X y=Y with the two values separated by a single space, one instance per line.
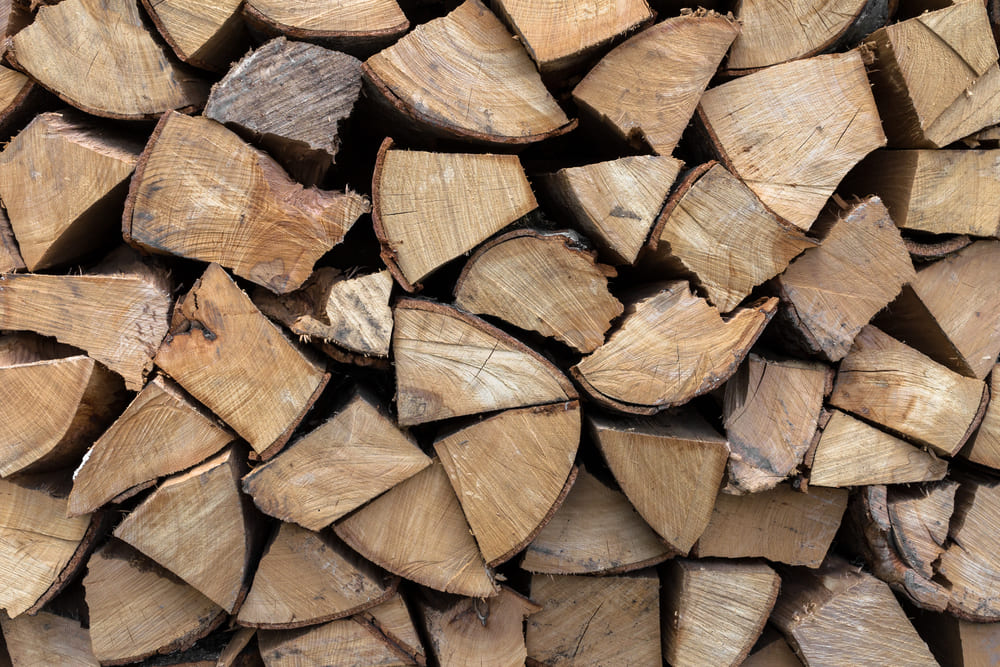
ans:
x=341 y=642
x=209 y=35
x=955 y=641
x=196 y=526
x=10 y=254
x=358 y=27
x=464 y=77
x=449 y=363
x=20 y=96
x=670 y=467
x=544 y=282
x=770 y=410
x=62 y=180
x=78 y=397
x=393 y=622
x=923 y=110
x=464 y=631
x=881 y=380
x=417 y=530
x=614 y=203
x=781 y=525
x=510 y=472
x=829 y=293
x=47 y=639
x=714 y=610
x=839 y=614
x=161 y=432
x=99 y=56
x=984 y=445
x=429 y=208
x=595 y=620
x=670 y=347
x=716 y=228
x=138 y=609
x=646 y=90
x=294 y=99
x=777 y=131
x=594 y=531
x=306 y=578
x=216 y=335
x=772 y=650
x=241 y=650
x=355 y=455
x=201 y=192
x=24 y=347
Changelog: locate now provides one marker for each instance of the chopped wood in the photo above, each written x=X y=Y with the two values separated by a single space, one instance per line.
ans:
x=392 y=621
x=955 y=641
x=772 y=651
x=920 y=517
x=240 y=650
x=984 y=445
x=207 y=35
x=22 y=347
x=341 y=642
x=20 y=98
x=10 y=254
x=47 y=639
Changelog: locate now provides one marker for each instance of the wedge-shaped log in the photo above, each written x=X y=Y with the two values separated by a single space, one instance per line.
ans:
x=47 y=639
x=203 y=193
x=670 y=347
x=99 y=56
x=984 y=445
x=968 y=563
x=777 y=131
x=391 y=621
x=359 y=27
x=449 y=363
x=209 y=35
x=464 y=77
x=341 y=642
x=216 y=335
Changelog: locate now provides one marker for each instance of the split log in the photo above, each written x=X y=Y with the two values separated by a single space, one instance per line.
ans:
x=429 y=208
x=958 y=642
x=10 y=254
x=670 y=468
x=464 y=77
x=714 y=610
x=98 y=56
x=293 y=99
x=670 y=347
x=57 y=224
x=920 y=517
x=645 y=91
x=541 y=282
x=614 y=203
x=341 y=642
x=47 y=639
x=776 y=130
x=201 y=192
x=449 y=364
x=392 y=622
x=216 y=334
x=772 y=651
x=21 y=97
x=206 y=35
x=984 y=445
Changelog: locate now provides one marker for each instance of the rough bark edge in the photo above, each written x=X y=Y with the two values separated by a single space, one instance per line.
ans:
x=351 y=42
x=182 y=643
x=301 y=623
x=182 y=55
x=282 y=440
x=928 y=251
x=388 y=253
x=344 y=356
x=977 y=419
x=668 y=553
x=680 y=191
x=393 y=643
x=30 y=100
x=136 y=181
x=99 y=523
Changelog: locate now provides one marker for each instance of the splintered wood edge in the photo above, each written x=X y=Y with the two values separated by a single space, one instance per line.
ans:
x=301 y=623
x=701 y=122
x=388 y=253
x=100 y=521
x=680 y=191
x=928 y=251
x=136 y=180
x=668 y=553
x=274 y=28
x=391 y=642
x=282 y=440
x=344 y=356
x=977 y=419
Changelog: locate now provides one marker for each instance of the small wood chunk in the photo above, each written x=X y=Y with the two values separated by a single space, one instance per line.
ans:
x=98 y=56
x=341 y=642
x=882 y=380
x=359 y=27
x=511 y=472
x=62 y=180
x=594 y=531
x=541 y=282
x=292 y=98
x=201 y=192
x=781 y=524
x=47 y=639
x=984 y=445
x=160 y=433
x=138 y=609
x=429 y=208
x=392 y=621
x=614 y=203
x=646 y=90
x=772 y=651
x=595 y=621
x=216 y=335
x=209 y=35
x=714 y=610
x=670 y=347
x=198 y=512
x=841 y=615
x=21 y=97
x=23 y=347
x=969 y=562
x=10 y=254
x=464 y=77
x=449 y=363
x=352 y=457
x=670 y=468
x=829 y=293
x=777 y=131
x=920 y=517
x=417 y=530
x=955 y=641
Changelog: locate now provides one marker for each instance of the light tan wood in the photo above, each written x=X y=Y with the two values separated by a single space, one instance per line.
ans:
x=24 y=347
x=216 y=335
x=429 y=208
x=449 y=363
x=343 y=642
x=20 y=96
x=772 y=652
x=47 y=639
x=510 y=472
x=646 y=90
x=968 y=563
x=238 y=650
x=98 y=56
x=10 y=254
x=392 y=620
x=541 y=282
x=417 y=530
x=984 y=445
x=670 y=347
x=782 y=525
x=958 y=642
x=920 y=517
x=355 y=455
x=209 y=35
x=465 y=77
x=670 y=467
x=203 y=193
x=359 y=27
x=776 y=130
x=716 y=228
x=714 y=610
